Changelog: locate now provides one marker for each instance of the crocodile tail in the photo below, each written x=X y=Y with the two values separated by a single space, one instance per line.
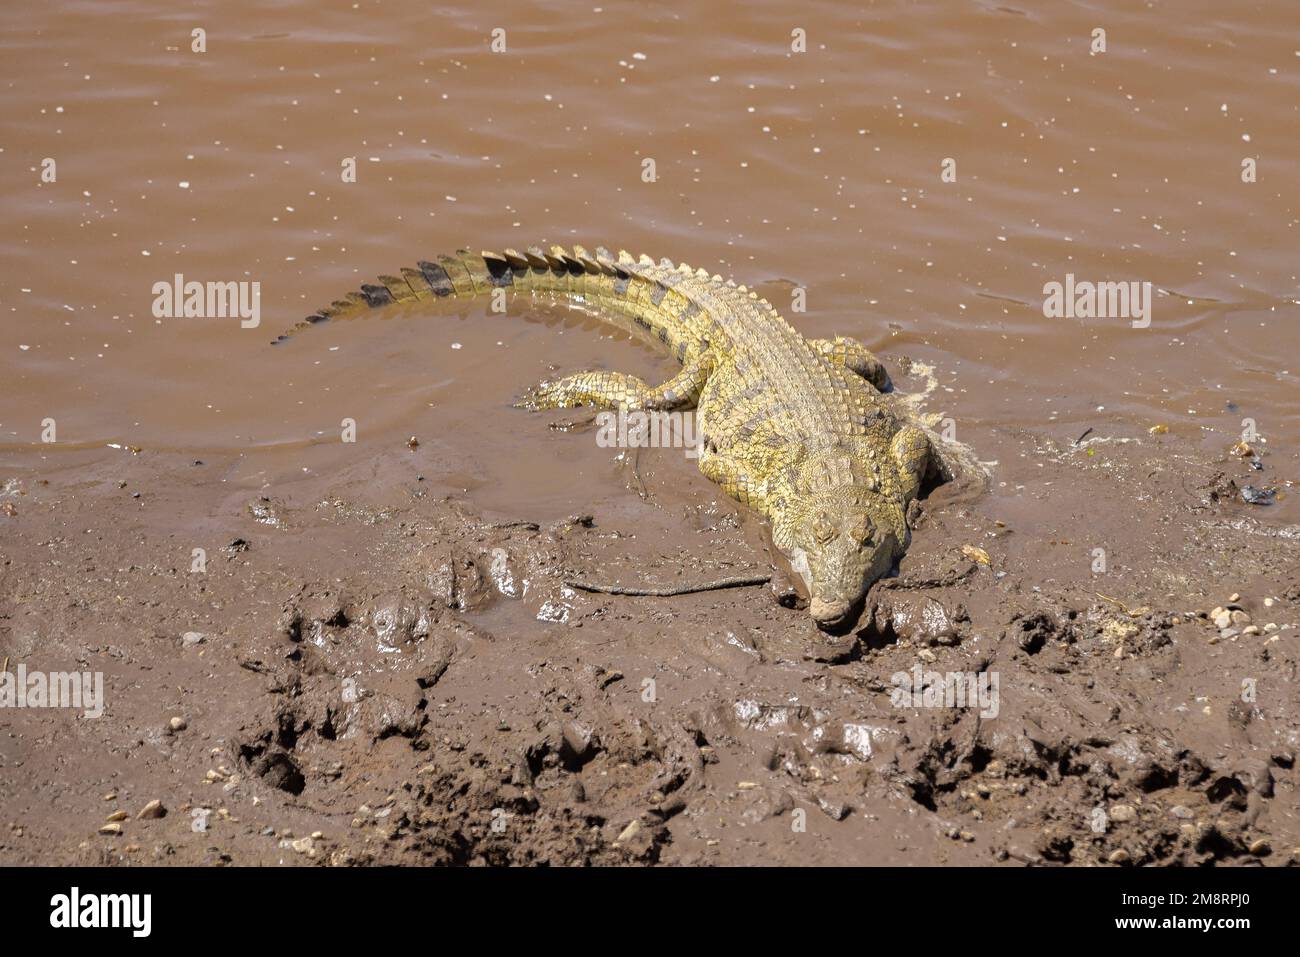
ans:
x=660 y=301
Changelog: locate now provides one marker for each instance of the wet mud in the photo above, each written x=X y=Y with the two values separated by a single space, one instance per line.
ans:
x=333 y=645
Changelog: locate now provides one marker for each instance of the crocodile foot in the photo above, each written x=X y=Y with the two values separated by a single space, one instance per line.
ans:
x=601 y=390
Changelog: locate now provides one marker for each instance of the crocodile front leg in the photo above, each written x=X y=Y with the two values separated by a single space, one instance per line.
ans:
x=615 y=390
x=854 y=356
x=911 y=450
x=732 y=476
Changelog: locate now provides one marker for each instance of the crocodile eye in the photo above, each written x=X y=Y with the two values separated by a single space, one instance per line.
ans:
x=823 y=531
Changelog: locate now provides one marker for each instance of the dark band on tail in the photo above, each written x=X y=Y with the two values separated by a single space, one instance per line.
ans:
x=670 y=303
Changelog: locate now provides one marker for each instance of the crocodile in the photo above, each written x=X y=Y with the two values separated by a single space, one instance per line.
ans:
x=797 y=429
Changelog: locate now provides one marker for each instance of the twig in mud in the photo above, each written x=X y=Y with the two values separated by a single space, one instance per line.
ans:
x=1084 y=436
x=736 y=581
x=636 y=474
x=526 y=525
x=1113 y=601
x=1131 y=612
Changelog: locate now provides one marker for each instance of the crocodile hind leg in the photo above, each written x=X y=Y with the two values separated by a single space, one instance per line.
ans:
x=615 y=390
x=854 y=356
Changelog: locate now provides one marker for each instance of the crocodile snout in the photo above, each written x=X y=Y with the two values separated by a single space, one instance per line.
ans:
x=829 y=614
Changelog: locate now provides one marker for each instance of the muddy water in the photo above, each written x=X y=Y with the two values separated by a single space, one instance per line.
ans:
x=819 y=169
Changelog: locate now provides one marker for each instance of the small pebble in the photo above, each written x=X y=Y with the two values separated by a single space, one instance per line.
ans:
x=1120 y=856
x=1257 y=496
x=113 y=828
x=1122 y=813
x=1250 y=630
x=1260 y=848
x=117 y=816
x=1240 y=618
x=178 y=723
x=1179 y=811
x=1223 y=619
x=629 y=832
x=154 y=809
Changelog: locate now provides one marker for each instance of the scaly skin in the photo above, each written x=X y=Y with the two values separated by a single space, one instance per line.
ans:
x=794 y=428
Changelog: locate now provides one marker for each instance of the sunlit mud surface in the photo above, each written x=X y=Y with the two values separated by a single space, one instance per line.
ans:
x=375 y=653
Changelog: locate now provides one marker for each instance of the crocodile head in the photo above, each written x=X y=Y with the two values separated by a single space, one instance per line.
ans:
x=840 y=542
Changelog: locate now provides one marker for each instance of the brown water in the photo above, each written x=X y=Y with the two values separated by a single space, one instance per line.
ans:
x=818 y=169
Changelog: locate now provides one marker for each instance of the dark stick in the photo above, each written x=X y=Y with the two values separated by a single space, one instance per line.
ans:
x=738 y=581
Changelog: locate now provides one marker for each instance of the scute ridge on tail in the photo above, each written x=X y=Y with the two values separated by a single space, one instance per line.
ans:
x=620 y=287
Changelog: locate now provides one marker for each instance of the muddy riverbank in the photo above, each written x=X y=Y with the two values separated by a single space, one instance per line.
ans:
x=323 y=582
x=369 y=669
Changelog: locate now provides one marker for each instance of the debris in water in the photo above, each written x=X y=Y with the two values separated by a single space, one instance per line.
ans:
x=1258 y=496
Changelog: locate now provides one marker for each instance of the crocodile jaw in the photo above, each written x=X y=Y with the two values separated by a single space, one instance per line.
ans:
x=828 y=614
x=838 y=572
